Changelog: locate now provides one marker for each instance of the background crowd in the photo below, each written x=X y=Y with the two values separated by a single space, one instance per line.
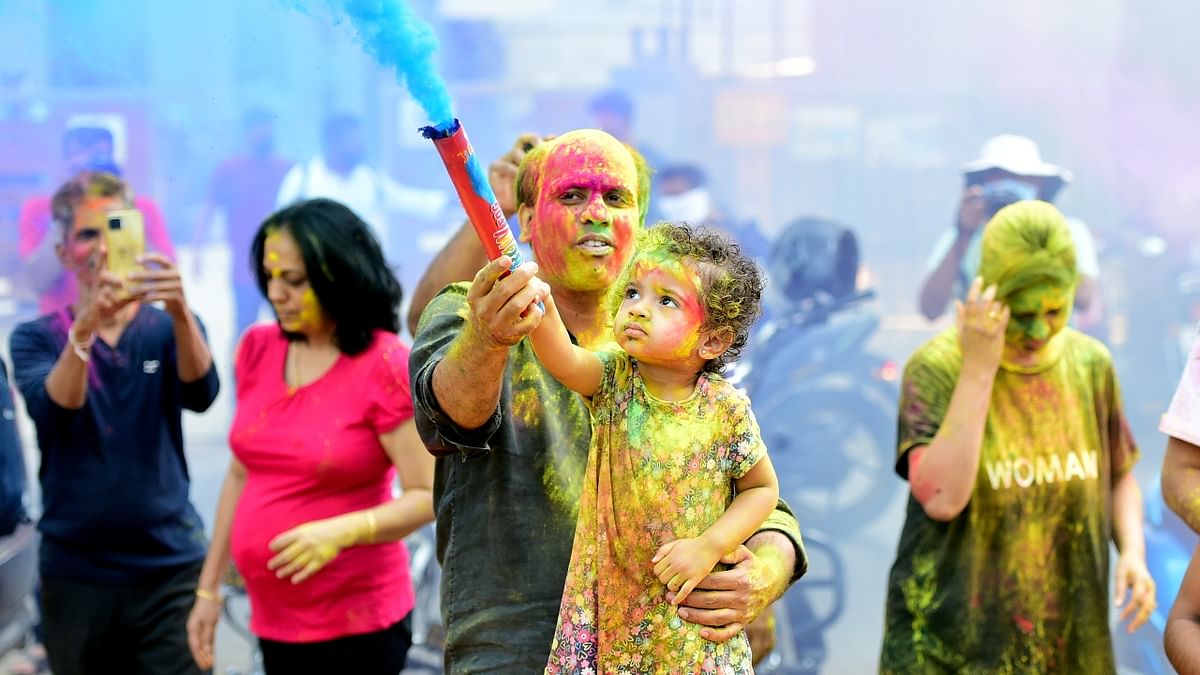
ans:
x=906 y=125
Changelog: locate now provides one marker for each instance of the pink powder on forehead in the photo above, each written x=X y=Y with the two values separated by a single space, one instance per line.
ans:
x=593 y=157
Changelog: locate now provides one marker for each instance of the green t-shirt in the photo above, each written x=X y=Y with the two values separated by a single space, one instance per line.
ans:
x=1018 y=582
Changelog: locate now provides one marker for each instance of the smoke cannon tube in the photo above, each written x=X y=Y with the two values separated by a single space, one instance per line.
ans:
x=474 y=191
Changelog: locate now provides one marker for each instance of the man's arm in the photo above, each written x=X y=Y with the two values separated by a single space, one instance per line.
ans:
x=66 y=384
x=938 y=288
x=1182 y=637
x=763 y=569
x=163 y=284
x=193 y=360
x=468 y=380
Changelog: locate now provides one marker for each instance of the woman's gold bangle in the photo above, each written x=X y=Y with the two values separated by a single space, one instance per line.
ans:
x=372 y=526
x=207 y=595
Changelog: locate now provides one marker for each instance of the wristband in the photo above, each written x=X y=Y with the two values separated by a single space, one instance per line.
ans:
x=80 y=348
x=207 y=595
x=372 y=526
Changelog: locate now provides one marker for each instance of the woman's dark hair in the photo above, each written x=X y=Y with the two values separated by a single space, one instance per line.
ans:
x=345 y=267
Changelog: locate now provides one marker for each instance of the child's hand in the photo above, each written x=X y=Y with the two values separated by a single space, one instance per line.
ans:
x=682 y=564
x=1133 y=579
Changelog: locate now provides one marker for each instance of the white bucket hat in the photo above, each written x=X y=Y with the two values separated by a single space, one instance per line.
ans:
x=1017 y=155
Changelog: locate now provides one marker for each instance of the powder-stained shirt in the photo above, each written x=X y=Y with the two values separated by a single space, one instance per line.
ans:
x=37 y=222
x=1018 y=581
x=506 y=496
x=658 y=471
x=1182 y=419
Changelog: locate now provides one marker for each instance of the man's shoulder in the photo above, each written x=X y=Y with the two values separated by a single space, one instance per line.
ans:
x=37 y=339
x=46 y=324
x=450 y=301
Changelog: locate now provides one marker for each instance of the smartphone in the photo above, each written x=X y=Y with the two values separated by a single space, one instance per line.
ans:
x=125 y=238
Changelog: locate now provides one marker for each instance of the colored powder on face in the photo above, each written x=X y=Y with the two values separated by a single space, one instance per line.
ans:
x=311 y=315
x=677 y=338
x=592 y=166
x=271 y=245
x=1038 y=312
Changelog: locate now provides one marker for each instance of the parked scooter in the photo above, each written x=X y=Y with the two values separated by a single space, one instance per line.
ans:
x=826 y=405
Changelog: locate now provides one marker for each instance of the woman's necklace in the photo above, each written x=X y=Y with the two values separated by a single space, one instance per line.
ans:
x=293 y=369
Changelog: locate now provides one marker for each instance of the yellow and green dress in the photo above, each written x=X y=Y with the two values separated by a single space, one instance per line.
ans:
x=1018 y=582
x=657 y=471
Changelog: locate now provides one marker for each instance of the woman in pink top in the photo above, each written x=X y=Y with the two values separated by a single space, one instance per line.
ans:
x=323 y=424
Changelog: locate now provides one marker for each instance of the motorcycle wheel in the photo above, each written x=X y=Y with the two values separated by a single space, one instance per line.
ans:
x=833 y=451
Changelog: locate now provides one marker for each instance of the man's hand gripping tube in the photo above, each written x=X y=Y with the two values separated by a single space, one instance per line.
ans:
x=475 y=193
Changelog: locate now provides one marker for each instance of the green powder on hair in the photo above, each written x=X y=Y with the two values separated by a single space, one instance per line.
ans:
x=1026 y=244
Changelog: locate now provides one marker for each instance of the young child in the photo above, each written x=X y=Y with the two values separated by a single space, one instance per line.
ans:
x=670 y=439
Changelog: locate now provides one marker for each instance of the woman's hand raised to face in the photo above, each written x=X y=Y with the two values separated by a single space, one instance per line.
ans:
x=982 y=321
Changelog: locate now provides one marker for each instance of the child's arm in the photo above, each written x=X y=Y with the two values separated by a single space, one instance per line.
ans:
x=577 y=368
x=682 y=564
x=1182 y=639
x=1132 y=576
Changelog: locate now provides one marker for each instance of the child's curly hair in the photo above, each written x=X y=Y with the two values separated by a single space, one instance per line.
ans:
x=732 y=284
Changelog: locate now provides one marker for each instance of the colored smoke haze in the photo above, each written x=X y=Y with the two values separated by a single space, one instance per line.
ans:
x=393 y=34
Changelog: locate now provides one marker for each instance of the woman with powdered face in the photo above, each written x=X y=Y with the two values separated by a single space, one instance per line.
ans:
x=323 y=424
x=1019 y=458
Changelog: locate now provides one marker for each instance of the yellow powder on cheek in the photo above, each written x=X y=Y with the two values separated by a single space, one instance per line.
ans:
x=310 y=310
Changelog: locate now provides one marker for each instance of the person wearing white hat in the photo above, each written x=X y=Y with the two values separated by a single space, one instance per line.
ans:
x=1009 y=169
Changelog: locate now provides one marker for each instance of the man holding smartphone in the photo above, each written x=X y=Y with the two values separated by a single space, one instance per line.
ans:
x=1010 y=169
x=105 y=382
x=85 y=148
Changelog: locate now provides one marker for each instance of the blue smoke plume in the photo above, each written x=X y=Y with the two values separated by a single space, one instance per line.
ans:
x=397 y=38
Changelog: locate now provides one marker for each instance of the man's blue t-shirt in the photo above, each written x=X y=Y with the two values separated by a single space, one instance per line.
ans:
x=113 y=473
x=12 y=461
